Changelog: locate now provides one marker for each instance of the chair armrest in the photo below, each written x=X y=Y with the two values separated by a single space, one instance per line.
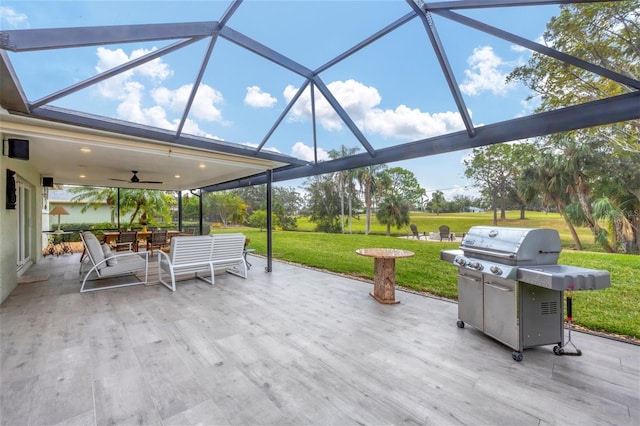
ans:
x=130 y=244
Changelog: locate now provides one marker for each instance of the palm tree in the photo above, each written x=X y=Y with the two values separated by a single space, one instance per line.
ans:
x=604 y=209
x=95 y=197
x=134 y=201
x=143 y=202
x=344 y=180
x=546 y=178
x=367 y=177
x=394 y=210
x=576 y=159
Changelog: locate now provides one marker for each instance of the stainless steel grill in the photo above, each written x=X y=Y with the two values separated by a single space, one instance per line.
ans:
x=511 y=288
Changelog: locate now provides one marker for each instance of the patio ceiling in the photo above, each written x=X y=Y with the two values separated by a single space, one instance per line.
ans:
x=57 y=134
x=78 y=155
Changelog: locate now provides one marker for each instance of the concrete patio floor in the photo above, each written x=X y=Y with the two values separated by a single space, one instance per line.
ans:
x=291 y=347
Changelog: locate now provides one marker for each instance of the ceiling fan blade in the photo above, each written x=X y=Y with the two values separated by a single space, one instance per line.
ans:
x=135 y=179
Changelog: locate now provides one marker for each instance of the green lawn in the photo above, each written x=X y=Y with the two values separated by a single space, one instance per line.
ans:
x=613 y=310
x=461 y=222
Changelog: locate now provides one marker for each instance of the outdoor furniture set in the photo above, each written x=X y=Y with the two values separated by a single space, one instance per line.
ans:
x=444 y=233
x=187 y=255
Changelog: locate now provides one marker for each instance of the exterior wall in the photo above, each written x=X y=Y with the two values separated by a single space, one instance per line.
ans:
x=102 y=214
x=8 y=223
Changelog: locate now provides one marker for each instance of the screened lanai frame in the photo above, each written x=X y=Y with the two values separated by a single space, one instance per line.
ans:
x=600 y=112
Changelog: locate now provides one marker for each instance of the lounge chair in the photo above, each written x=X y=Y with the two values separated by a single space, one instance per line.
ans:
x=445 y=233
x=106 y=264
x=414 y=232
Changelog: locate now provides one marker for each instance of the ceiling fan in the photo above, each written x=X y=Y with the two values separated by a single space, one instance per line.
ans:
x=135 y=179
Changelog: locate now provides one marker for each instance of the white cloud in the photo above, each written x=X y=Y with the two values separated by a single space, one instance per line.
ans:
x=463 y=191
x=9 y=18
x=407 y=123
x=155 y=69
x=305 y=152
x=204 y=103
x=128 y=89
x=255 y=97
x=529 y=106
x=113 y=88
x=485 y=74
x=361 y=104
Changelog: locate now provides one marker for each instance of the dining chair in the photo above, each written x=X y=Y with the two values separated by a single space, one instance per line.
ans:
x=127 y=240
x=157 y=240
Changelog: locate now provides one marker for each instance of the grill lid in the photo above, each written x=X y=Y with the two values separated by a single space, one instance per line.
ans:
x=512 y=246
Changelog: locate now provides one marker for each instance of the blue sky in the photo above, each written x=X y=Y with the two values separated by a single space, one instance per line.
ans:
x=393 y=89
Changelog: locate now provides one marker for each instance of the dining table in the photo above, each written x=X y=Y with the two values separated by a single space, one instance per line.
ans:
x=384 y=274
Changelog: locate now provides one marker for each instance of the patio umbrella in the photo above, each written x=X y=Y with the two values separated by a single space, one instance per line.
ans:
x=59 y=210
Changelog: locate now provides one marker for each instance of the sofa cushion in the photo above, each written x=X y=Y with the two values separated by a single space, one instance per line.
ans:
x=127 y=262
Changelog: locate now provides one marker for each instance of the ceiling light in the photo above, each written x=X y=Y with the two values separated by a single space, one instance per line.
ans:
x=83 y=176
x=202 y=165
x=177 y=176
x=85 y=149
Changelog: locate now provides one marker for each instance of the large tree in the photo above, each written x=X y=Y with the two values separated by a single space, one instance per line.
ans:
x=438 y=202
x=606 y=34
x=323 y=203
x=226 y=206
x=490 y=167
x=547 y=177
x=393 y=211
x=402 y=183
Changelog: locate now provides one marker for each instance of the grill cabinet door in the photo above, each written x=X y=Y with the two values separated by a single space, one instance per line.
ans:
x=470 y=298
x=541 y=316
x=501 y=311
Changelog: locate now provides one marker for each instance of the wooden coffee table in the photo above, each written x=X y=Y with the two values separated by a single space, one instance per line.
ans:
x=384 y=282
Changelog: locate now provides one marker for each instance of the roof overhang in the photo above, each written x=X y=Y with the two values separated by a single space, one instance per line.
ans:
x=77 y=155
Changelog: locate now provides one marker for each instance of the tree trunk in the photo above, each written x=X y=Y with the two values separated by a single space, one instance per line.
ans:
x=522 y=210
x=592 y=223
x=495 y=209
x=572 y=230
x=388 y=229
x=367 y=202
x=342 y=210
x=636 y=231
x=350 y=216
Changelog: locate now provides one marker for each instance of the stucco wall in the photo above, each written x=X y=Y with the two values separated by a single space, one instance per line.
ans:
x=99 y=215
x=8 y=223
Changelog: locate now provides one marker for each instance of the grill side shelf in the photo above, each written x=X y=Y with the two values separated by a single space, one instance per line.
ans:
x=563 y=277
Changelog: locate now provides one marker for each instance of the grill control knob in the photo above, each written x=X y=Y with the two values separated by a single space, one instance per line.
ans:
x=496 y=270
x=461 y=261
x=476 y=265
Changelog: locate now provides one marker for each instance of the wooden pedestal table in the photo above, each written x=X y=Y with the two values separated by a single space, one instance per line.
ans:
x=384 y=282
